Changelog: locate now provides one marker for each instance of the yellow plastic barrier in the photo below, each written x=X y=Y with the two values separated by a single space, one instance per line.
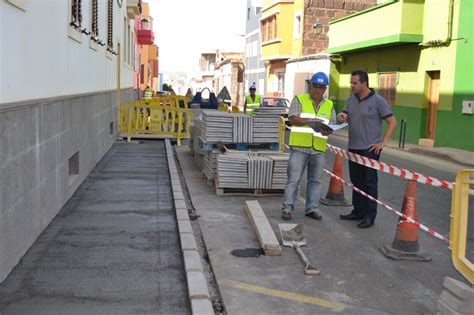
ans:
x=459 y=221
x=161 y=116
x=281 y=134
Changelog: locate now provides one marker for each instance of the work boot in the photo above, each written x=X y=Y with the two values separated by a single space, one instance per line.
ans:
x=286 y=216
x=314 y=215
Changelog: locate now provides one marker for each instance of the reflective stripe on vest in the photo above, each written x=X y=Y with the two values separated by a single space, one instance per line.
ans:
x=251 y=105
x=147 y=95
x=305 y=136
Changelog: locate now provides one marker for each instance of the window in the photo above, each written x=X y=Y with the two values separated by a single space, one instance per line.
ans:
x=269 y=29
x=388 y=86
x=76 y=13
x=94 y=20
x=142 y=74
x=110 y=25
x=248 y=14
x=297 y=26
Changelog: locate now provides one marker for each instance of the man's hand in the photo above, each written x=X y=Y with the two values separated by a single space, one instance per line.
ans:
x=325 y=132
x=342 y=117
x=377 y=147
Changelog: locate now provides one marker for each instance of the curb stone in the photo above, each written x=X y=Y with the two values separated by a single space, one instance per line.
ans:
x=202 y=307
x=198 y=290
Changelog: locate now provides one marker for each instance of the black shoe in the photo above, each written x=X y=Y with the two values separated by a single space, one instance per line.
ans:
x=314 y=215
x=350 y=217
x=366 y=223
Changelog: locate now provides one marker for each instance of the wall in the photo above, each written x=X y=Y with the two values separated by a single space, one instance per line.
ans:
x=298 y=72
x=324 y=12
x=42 y=61
x=254 y=66
x=412 y=64
x=463 y=134
x=58 y=98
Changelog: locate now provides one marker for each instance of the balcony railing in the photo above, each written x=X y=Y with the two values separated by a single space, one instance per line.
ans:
x=390 y=23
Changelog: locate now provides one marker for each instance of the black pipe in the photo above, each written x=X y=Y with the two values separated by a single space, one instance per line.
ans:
x=403 y=131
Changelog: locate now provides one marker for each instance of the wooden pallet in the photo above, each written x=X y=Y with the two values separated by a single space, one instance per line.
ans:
x=209 y=146
x=248 y=192
x=209 y=181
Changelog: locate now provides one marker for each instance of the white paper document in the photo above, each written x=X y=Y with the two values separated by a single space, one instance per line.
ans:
x=337 y=127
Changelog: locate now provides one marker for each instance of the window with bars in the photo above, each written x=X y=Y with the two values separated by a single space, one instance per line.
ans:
x=95 y=20
x=269 y=29
x=388 y=86
x=110 y=25
x=76 y=13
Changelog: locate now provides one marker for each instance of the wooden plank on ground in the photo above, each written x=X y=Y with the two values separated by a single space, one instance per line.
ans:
x=262 y=227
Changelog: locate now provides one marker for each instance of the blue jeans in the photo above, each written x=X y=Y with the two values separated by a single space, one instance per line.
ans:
x=296 y=165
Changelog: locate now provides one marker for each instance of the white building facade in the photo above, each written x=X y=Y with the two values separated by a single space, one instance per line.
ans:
x=65 y=66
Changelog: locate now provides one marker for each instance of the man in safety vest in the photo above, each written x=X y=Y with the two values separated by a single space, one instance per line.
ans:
x=307 y=145
x=252 y=101
x=147 y=94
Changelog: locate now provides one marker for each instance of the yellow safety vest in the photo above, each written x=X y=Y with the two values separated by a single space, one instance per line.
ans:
x=305 y=136
x=147 y=94
x=251 y=105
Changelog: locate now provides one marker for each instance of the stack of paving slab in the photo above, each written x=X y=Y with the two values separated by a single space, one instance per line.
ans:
x=242 y=129
x=217 y=126
x=232 y=171
x=252 y=170
x=227 y=128
x=210 y=164
x=260 y=171
x=266 y=124
x=280 y=167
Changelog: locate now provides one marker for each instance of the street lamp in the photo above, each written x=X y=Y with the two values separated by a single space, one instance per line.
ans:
x=318 y=28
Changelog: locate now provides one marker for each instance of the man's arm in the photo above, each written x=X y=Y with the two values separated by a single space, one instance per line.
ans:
x=392 y=123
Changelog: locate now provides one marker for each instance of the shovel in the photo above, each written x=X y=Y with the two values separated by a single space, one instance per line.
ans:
x=292 y=236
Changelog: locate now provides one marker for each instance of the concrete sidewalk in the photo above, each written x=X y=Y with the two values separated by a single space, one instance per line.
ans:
x=356 y=278
x=450 y=154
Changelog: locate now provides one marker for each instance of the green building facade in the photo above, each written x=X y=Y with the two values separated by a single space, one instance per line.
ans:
x=419 y=54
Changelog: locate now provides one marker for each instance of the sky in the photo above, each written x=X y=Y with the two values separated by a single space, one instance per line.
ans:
x=185 y=28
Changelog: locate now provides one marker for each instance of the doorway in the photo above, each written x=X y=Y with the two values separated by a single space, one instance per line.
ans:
x=433 y=100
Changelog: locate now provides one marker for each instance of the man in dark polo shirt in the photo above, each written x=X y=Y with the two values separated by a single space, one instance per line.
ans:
x=364 y=111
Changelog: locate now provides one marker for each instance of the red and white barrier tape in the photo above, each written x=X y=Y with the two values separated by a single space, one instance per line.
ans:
x=410 y=220
x=393 y=170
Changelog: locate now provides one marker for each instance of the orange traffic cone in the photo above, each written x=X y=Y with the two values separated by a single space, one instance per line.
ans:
x=335 y=195
x=405 y=245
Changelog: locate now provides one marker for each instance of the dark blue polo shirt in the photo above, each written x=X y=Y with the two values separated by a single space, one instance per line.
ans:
x=365 y=119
